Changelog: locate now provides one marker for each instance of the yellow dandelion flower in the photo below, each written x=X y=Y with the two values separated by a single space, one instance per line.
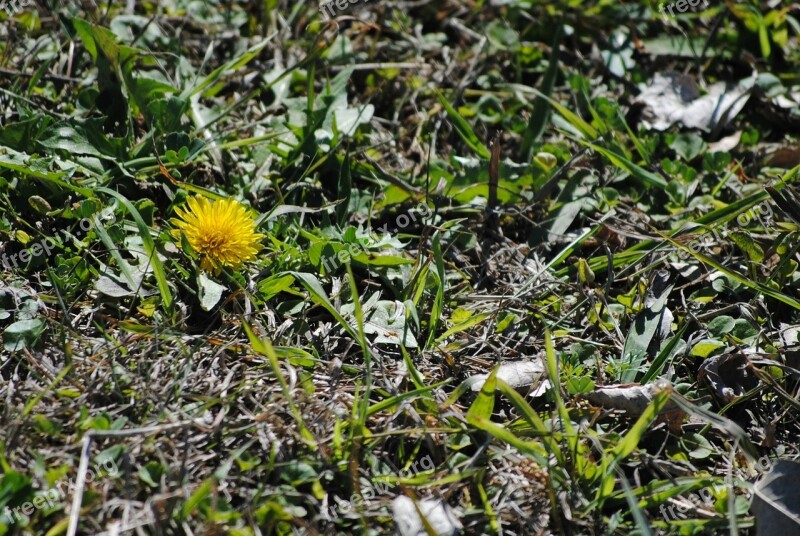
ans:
x=223 y=232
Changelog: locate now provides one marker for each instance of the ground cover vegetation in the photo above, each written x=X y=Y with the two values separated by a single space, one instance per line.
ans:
x=271 y=268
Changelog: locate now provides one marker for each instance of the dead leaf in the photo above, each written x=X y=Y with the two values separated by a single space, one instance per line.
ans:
x=785 y=157
x=516 y=374
x=633 y=399
x=726 y=144
x=438 y=514
x=674 y=98
x=728 y=375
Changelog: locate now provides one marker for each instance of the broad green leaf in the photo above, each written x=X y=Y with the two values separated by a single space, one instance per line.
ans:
x=23 y=334
x=706 y=347
x=274 y=285
x=641 y=334
x=75 y=139
x=720 y=325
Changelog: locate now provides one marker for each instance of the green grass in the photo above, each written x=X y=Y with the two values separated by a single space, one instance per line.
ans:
x=302 y=392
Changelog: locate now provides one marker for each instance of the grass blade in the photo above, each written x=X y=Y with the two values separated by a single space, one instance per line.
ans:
x=149 y=246
x=464 y=129
x=263 y=347
x=541 y=110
